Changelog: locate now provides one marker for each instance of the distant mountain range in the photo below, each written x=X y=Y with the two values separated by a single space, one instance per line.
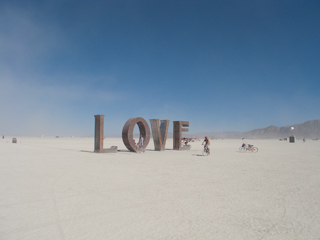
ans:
x=309 y=129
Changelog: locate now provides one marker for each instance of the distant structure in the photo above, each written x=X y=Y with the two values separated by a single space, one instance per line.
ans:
x=291 y=138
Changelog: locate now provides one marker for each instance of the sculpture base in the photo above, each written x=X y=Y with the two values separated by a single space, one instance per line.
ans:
x=113 y=149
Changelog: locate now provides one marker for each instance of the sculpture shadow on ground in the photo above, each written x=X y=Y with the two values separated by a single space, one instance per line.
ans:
x=199 y=155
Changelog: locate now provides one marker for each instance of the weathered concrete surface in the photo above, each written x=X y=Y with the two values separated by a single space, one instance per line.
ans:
x=178 y=128
x=159 y=133
x=127 y=133
x=98 y=136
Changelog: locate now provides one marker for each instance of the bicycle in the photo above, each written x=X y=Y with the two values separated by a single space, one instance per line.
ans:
x=250 y=148
x=206 y=151
x=242 y=149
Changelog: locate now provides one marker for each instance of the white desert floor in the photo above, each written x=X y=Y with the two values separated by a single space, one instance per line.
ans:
x=57 y=188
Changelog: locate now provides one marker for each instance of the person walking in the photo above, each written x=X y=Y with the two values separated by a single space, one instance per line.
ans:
x=140 y=143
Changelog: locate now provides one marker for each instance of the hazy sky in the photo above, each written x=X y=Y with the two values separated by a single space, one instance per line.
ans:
x=221 y=65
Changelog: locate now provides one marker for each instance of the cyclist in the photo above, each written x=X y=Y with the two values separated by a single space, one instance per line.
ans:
x=245 y=145
x=206 y=143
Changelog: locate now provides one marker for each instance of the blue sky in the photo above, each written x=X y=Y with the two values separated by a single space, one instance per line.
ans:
x=221 y=65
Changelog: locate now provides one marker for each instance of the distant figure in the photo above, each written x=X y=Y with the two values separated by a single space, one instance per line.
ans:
x=206 y=142
x=140 y=143
x=3 y=137
x=304 y=140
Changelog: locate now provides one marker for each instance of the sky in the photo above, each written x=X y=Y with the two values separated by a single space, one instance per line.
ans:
x=222 y=65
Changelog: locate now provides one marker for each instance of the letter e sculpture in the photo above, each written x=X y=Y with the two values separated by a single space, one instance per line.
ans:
x=177 y=134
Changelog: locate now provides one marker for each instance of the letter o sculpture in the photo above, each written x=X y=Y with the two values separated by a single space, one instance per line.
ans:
x=127 y=133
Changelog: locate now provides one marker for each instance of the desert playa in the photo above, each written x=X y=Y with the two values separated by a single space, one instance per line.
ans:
x=57 y=188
